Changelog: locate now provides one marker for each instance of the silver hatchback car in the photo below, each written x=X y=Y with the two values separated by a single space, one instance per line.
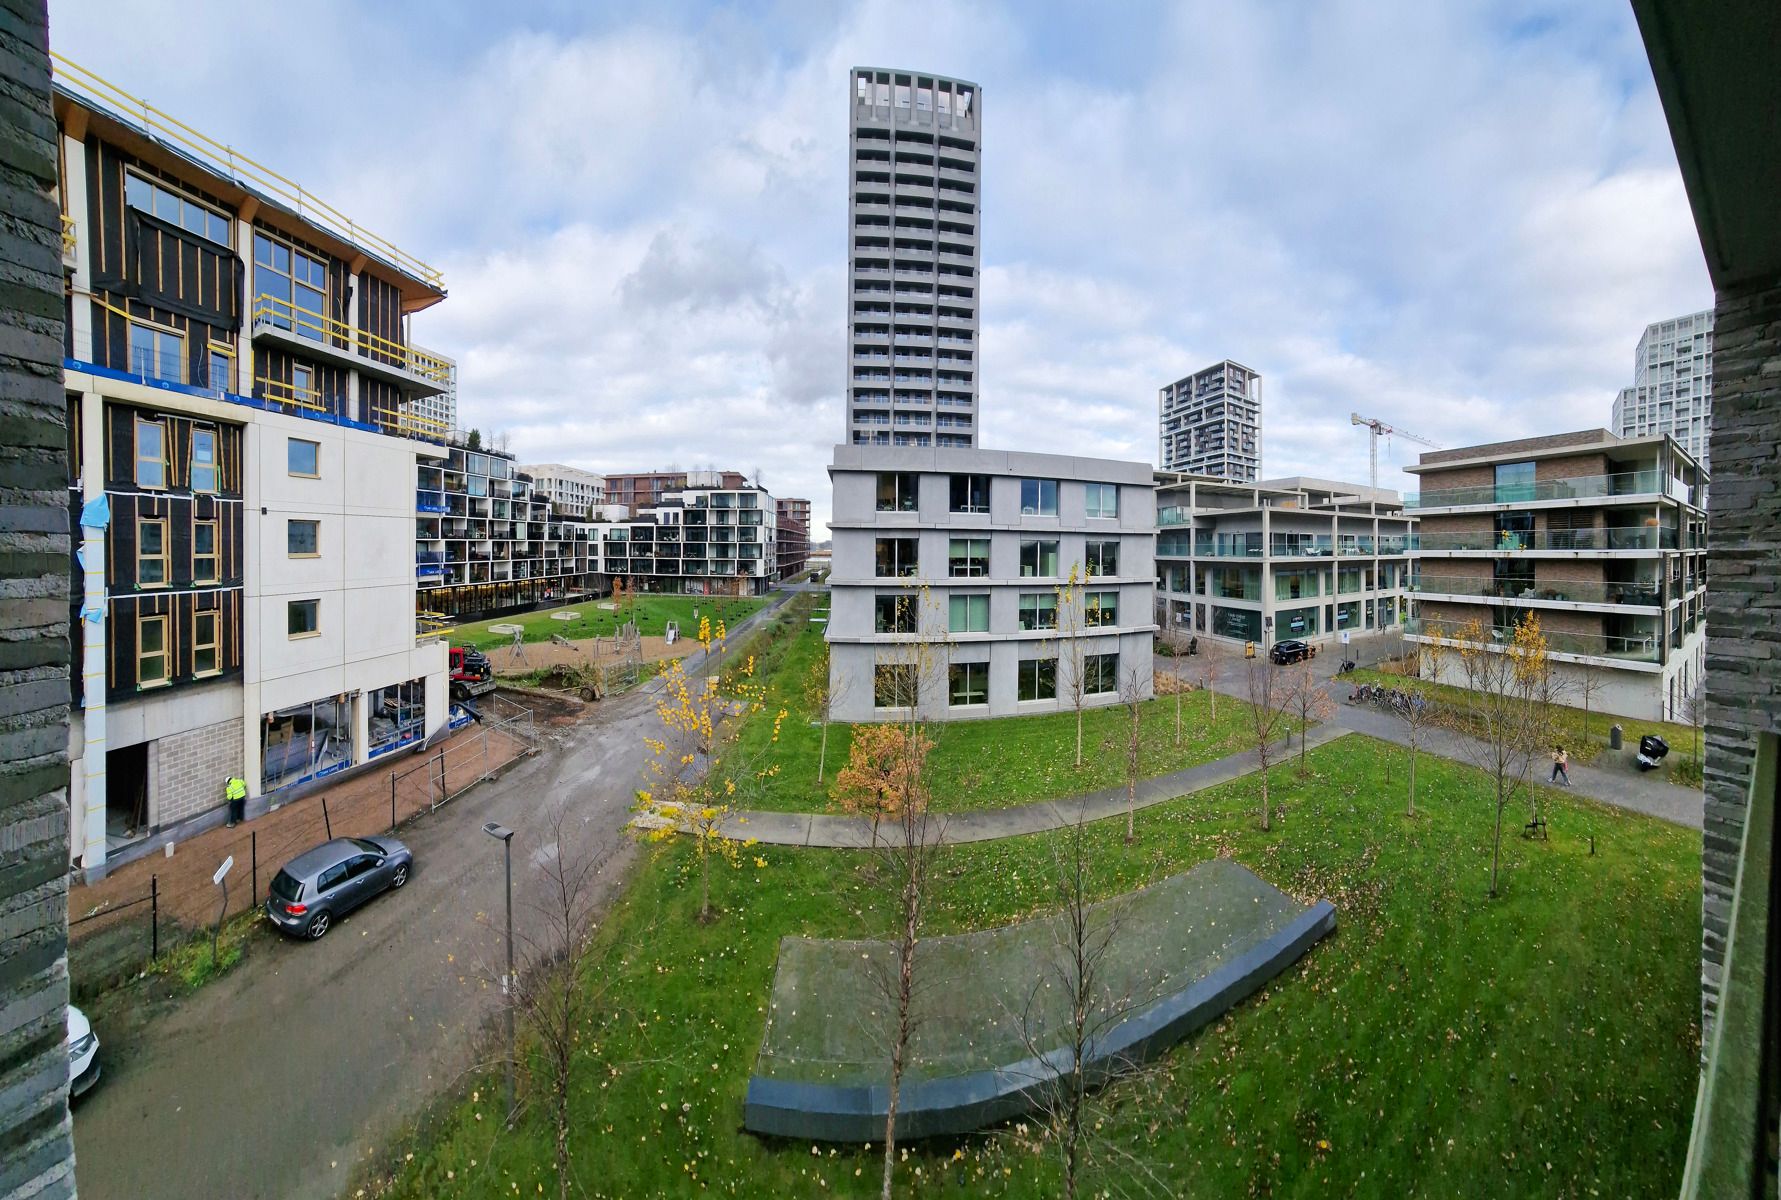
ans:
x=320 y=886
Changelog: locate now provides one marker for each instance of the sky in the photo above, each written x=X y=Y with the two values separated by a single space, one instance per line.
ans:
x=1456 y=218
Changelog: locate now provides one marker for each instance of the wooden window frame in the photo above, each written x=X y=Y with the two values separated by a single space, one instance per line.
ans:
x=215 y=464
x=159 y=556
x=215 y=556
x=288 y=442
x=185 y=366
x=289 y=522
x=136 y=449
x=175 y=189
x=290 y=607
x=212 y=351
x=165 y=653
x=214 y=645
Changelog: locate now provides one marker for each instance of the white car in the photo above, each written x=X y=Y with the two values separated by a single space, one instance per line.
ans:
x=83 y=1053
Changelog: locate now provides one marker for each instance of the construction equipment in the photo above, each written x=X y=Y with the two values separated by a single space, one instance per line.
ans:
x=1374 y=429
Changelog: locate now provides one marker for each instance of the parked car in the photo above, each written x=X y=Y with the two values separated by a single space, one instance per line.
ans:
x=1290 y=651
x=83 y=1053
x=320 y=886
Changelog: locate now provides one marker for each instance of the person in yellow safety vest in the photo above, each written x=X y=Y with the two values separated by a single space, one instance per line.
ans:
x=236 y=793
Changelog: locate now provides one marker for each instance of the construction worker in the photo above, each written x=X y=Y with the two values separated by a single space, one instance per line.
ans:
x=235 y=791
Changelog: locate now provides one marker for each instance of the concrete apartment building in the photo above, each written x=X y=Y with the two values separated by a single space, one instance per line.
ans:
x=1310 y=559
x=1210 y=424
x=794 y=535
x=701 y=541
x=1672 y=388
x=639 y=490
x=913 y=259
x=572 y=491
x=1601 y=537
x=439 y=410
x=956 y=558
x=242 y=443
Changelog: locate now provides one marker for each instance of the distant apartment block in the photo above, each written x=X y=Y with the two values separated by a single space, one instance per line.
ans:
x=700 y=541
x=570 y=490
x=440 y=410
x=487 y=540
x=242 y=440
x=951 y=582
x=1210 y=424
x=1602 y=538
x=1308 y=559
x=913 y=259
x=644 y=489
x=794 y=535
x=1672 y=390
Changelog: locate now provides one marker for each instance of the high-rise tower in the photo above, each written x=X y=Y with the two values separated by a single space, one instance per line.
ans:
x=1672 y=388
x=1210 y=423
x=912 y=259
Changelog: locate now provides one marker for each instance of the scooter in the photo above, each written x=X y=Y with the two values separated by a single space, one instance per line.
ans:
x=1651 y=751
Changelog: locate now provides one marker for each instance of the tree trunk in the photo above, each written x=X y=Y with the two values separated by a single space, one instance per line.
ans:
x=822 y=753
x=1079 y=728
x=1178 y=708
x=704 y=883
x=1266 y=818
x=563 y=1139
x=1496 y=842
x=1131 y=807
x=905 y=994
x=1412 y=809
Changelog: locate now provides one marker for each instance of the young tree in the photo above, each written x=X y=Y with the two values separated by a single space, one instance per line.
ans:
x=1501 y=709
x=1209 y=671
x=822 y=691
x=875 y=779
x=1311 y=702
x=1180 y=687
x=1267 y=717
x=1131 y=696
x=1420 y=713
x=1073 y=618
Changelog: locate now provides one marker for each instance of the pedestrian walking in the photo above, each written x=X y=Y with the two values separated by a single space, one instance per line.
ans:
x=1559 y=764
x=235 y=791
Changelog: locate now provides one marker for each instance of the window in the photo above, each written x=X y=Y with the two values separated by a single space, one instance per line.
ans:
x=967 y=558
x=1515 y=481
x=970 y=493
x=1038 y=610
x=302 y=539
x=159 y=200
x=151 y=652
x=968 y=613
x=1038 y=497
x=1101 y=499
x=303 y=618
x=967 y=683
x=896 y=557
x=1037 y=679
x=894 y=614
x=1100 y=558
x=206 y=656
x=220 y=375
x=896 y=491
x=151 y=552
x=1038 y=558
x=204 y=557
x=290 y=287
x=157 y=353
x=1100 y=674
x=204 y=478
x=893 y=685
x=1100 y=608
x=303 y=389
x=303 y=458
x=151 y=454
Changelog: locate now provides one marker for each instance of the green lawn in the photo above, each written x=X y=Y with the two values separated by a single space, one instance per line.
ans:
x=974 y=764
x=1438 y=1044
x=652 y=615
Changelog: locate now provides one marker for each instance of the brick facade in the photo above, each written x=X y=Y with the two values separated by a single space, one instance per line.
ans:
x=1556 y=441
x=1744 y=559
x=36 y=1146
x=191 y=768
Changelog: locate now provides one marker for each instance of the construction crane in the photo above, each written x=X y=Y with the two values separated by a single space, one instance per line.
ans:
x=1374 y=429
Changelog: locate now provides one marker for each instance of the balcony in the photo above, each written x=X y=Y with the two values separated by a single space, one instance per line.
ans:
x=1645 y=648
x=1562 y=591
x=1627 y=538
x=1582 y=487
x=309 y=333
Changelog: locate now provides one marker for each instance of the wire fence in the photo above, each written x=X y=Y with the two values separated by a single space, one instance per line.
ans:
x=120 y=926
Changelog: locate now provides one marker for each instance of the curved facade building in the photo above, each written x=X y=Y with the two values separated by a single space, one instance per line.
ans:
x=914 y=150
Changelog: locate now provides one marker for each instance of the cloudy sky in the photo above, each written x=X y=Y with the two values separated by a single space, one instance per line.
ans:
x=1455 y=217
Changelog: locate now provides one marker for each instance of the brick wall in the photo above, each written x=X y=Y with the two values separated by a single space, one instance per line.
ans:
x=1458 y=523
x=1436 y=481
x=190 y=769
x=1744 y=556
x=1581 y=437
x=1572 y=466
x=36 y=1147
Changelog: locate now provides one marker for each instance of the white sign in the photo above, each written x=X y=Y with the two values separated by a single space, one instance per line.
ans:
x=1344 y=637
x=223 y=870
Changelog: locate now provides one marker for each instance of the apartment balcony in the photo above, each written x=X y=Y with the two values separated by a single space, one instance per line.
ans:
x=416 y=372
x=1618 y=539
x=1643 y=650
x=1626 y=485
x=429 y=502
x=1543 y=593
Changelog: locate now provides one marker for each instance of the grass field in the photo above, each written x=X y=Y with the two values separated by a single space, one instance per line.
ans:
x=652 y=614
x=974 y=764
x=1437 y=1044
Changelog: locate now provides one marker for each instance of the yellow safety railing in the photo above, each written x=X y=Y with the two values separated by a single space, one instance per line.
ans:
x=68 y=241
x=370 y=345
x=430 y=428
x=238 y=166
x=289 y=393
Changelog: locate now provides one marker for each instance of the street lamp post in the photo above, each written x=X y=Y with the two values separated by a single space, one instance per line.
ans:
x=507 y=982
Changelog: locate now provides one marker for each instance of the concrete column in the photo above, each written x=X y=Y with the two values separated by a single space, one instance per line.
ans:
x=74 y=192
x=89 y=838
x=253 y=540
x=244 y=348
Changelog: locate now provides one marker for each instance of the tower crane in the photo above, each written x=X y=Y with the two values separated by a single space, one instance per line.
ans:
x=1374 y=429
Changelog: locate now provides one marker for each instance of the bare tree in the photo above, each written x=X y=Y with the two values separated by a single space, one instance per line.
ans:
x=1209 y=671
x=1131 y=695
x=1073 y=619
x=1501 y=708
x=1175 y=656
x=823 y=692
x=1419 y=713
x=1267 y=716
x=1310 y=700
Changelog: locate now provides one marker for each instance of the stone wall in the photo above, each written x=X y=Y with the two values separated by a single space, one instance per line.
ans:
x=191 y=768
x=1743 y=620
x=36 y=1147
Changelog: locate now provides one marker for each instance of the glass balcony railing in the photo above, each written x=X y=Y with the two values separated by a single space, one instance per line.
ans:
x=1639 y=648
x=1575 y=590
x=1642 y=537
x=1582 y=487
